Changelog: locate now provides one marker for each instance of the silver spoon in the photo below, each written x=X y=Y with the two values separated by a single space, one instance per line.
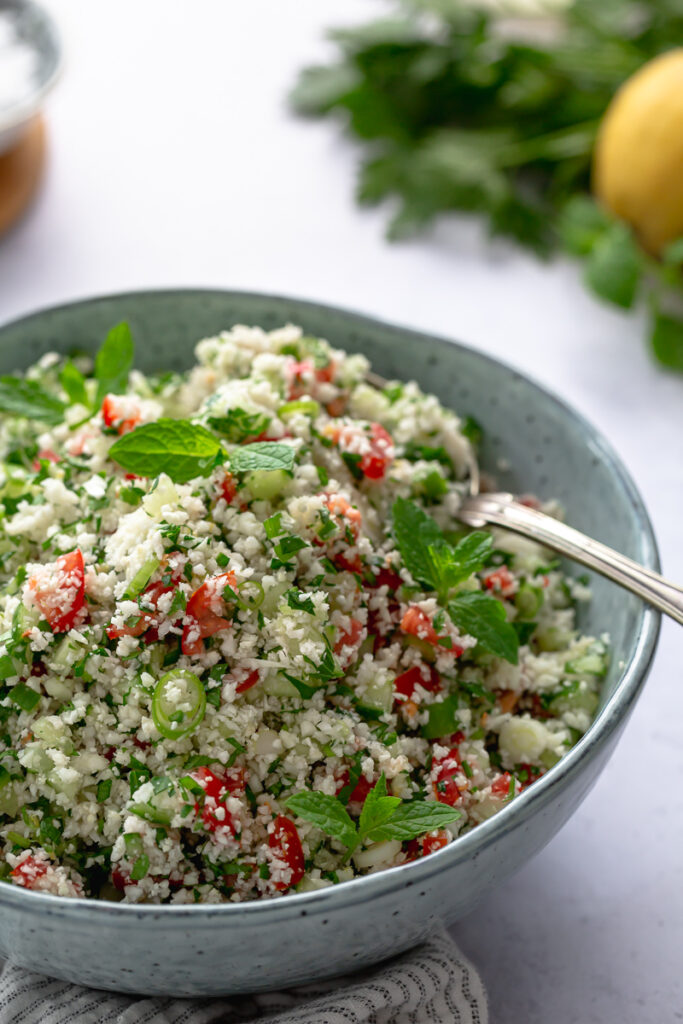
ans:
x=478 y=510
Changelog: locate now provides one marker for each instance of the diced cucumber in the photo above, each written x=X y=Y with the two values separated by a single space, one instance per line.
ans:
x=266 y=484
x=552 y=638
x=591 y=664
x=163 y=494
x=528 y=601
x=277 y=686
x=272 y=596
x=53 y=731
x=9 y=801
x=377 y=696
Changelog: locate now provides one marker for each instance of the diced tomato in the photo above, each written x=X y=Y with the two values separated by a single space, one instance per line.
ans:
x=44 y=455
x=120 y=879
x=249 y=681
x=360 y=791
x=350 y=639
x=59 y=590
x=228 y=488
x=296 y=373
x=423 y=675
x=29 y=871
x=385 y=578
x=121 y=412
x=337 y=407
x=532 y=773
x=146 y=620
x=203 y=615
x=444 y=770
x=417 y=623
x=501 y=580
x=375 y=463
x=217 y=788
x=285 y=843
x=501 y=787
x=434 y=841
x=345 y=513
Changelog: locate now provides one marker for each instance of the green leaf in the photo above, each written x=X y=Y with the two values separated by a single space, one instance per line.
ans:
x=483 y=617
x=667 y=341
x=262 y=455
x=378 y=808
x=615 y=265
x=415 y=531
x=452 y=566
x=581 y=223
x=73 y=382
x=23 y=696
x=237 y=425
x=673 y=253
x=442 y=718
x=114 y=362
x=326 y=813
x=181 y=449
x=26 y=398
x=414 y=819
x=306 y=691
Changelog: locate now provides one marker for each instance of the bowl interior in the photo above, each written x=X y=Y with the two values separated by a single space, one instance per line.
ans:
x=532 y=442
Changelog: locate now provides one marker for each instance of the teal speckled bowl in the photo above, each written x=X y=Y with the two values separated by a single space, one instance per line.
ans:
x=210 y=950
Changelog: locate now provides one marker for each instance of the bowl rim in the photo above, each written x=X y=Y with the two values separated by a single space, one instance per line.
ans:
x=358 y=890
x=20 y=113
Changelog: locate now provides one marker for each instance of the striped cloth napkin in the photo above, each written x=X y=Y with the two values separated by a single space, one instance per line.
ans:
x=433 y=984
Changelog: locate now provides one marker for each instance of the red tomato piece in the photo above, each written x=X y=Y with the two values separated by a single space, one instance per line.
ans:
x=417 y=623
x=532 y=773
x=120 y=879
x=502 y=580
x=247 y=683
x=29 y=871
x=501 y=787
x=434 y=841
x=444 y=770
x=203 y=615
x=350 y=639
x=217 y=788
x=45 y=455
x=146 y=620
x=360 y=791
x=121 y=412
x=423 y=675
x=228 y=488
x=285 y=843
x=375 y=463
x=386 y=578
x=59 y=590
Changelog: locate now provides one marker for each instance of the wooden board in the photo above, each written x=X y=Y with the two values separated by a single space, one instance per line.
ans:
x=21 y=169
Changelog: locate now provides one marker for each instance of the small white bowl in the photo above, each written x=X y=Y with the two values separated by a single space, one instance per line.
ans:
x=30 y=61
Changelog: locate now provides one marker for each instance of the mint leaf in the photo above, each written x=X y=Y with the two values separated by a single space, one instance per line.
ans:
x=614 y=266
x=483 y=617
x=262 y=455
x=113 y=362
x=673 y=253
x=73 y=382
x=179 y=448
x=581 y=223
x=26 y=398
x=415 y=532
x=326 y=813
x=667 y=341
x=378 y=808
x=443 y=718
x=451 y=566
x=411 y=820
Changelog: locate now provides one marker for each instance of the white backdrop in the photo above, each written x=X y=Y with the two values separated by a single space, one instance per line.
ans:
x=174 y=160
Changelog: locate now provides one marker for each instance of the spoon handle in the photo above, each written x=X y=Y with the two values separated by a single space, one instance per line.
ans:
x=503 y=510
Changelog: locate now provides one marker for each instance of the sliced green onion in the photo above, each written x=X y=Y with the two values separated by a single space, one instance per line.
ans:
x=133 y=844
x=17 y=839
x=140 y=868
x=141 y=578
x=250 y=595
x=306 y=406
x=178 y=704
x=155 y=815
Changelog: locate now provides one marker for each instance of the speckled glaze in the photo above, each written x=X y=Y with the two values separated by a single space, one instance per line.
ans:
x=211 y=950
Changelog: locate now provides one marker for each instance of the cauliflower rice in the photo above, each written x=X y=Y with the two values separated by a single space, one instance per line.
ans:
x=251 y=650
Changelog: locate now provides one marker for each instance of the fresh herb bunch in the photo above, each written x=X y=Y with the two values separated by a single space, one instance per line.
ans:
x=457 y=113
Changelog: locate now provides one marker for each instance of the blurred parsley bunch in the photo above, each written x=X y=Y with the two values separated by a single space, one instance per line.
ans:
x=458 y=110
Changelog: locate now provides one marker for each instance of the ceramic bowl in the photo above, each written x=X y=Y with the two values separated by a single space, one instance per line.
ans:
x=550 y=450
x=30 y=60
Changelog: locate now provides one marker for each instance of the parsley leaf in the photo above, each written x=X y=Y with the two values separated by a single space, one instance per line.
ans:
x=181 y=449
x=483 y=617
x=237 y=424
x=114 y=362
x=26 y=398
x=262 y=455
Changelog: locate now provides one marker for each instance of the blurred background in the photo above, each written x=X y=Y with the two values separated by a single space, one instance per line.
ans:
x=174 y=157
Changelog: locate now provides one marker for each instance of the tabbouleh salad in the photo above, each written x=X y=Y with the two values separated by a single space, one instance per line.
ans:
x=246 y=648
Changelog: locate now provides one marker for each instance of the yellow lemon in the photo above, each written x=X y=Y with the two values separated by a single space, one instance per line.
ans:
x=638 y=165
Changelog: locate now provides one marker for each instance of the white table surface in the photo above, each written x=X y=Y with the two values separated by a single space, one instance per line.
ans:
x=174 y=161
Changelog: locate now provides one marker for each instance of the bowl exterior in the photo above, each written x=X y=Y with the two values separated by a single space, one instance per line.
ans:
x=212 y=950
